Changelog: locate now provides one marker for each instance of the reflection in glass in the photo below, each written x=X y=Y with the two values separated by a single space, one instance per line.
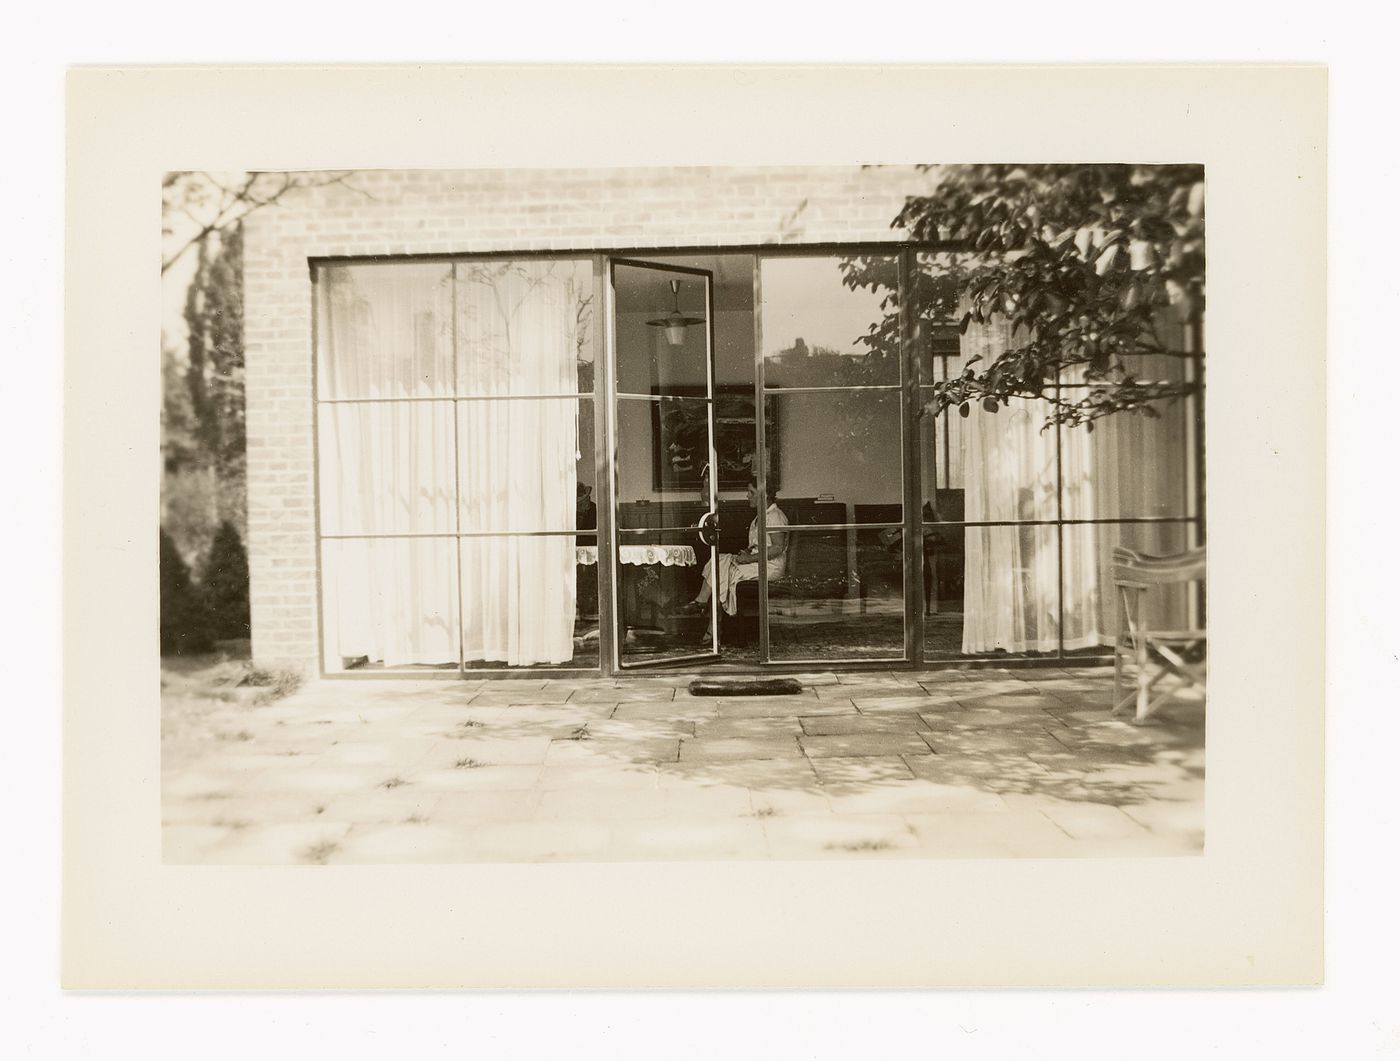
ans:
x=841 y=597
x=521 y=462
x=386 y=468
x=818 y=331
x=841 y=445
x=525 y=327
x=384 y=331
x=389 y=602
x=938 y=282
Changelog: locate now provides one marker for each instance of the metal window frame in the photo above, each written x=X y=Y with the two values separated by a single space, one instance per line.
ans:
x=602 y=343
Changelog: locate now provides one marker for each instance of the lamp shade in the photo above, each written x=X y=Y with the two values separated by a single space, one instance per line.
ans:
x=675 y=322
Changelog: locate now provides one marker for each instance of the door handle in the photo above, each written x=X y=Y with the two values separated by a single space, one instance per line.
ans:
x=709 y=528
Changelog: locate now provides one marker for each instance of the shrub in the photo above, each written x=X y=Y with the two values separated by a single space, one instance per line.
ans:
x=224 y=584
x=184 y=627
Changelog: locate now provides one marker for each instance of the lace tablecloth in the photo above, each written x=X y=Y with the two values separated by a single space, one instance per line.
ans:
x=642 y=555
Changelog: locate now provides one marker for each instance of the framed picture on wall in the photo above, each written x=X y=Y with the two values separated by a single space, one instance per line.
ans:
x=678 y=438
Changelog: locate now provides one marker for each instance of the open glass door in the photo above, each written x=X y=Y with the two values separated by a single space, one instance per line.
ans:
x=665 y=504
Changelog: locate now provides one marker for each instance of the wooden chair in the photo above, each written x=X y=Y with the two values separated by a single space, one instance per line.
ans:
x=1176 y=655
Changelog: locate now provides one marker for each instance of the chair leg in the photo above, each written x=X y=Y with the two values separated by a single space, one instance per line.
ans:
x=1144 y=683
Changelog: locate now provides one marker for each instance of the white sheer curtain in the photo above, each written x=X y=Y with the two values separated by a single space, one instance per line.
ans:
x=1011 y=578
x=518 y=333
x=387 y=467
x=1129 y=466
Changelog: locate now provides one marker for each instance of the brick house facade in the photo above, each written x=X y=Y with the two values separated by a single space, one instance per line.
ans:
x=421 y=212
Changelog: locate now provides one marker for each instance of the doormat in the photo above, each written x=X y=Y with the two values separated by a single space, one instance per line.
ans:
x=746 y=687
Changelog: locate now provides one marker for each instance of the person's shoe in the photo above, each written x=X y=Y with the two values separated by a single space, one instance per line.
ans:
x=692 y=607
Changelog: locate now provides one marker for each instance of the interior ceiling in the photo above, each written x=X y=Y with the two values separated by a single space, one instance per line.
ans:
x=647 y=291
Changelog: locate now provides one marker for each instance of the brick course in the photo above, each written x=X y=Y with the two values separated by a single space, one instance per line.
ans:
x=388 y=212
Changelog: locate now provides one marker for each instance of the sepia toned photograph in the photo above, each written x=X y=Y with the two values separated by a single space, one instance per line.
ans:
x=474 y=548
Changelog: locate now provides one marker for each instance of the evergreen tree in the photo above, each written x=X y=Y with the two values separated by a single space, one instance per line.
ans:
x=224 y=584
x=183 y=625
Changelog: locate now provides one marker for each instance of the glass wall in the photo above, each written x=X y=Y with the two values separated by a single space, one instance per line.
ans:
x=1021 y=515
x=455 y=429
x=831 y=366
x=454 y=420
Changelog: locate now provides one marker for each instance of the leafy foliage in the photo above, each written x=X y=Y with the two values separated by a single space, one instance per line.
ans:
x=1080 y=261
x=215 y=373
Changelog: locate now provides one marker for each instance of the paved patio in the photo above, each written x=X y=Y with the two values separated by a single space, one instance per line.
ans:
x=876 y=764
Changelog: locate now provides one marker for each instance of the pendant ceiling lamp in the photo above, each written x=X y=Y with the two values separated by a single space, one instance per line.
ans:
x=675 y=322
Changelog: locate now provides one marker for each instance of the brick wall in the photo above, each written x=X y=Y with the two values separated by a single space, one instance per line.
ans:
x=450 y=212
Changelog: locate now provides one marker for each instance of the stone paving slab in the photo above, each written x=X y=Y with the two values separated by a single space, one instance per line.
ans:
x=903 y=704
x=688 y=710
x=604 y=751
x=805 y=836
x=865 y=744
x=718 y=728
x=415 y=842
x=782 y=707
x=740 y=748
x=841 y=725
x=849 y=773
x=782 y=775
x=931 y=764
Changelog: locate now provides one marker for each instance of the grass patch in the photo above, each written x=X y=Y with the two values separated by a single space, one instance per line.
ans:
x=393 y=782
x=861 y=845
x=277 y=681
x=765 y=812
x=317 y=853
x=241 y=735
x=466 y=764
x=416 y=819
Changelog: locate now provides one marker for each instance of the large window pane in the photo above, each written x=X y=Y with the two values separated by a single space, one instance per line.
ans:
x=841 y=596
x=939 y=347
x=647 y=361
x=662 y=448
x=522 y=602
x=1009 y=604
x=658 y=571
x=1091 y=600
x=1002 y=464
x=525 y=464
x=384 y=331
x=525 y=327
x=386 y=468
x=819 y=331
x=1131 y=465
x=389 y=603
x=840 y=446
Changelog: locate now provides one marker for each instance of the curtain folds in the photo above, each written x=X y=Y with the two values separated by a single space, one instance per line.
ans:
x=1028 y=586
x=432 y=465
x=517 y=333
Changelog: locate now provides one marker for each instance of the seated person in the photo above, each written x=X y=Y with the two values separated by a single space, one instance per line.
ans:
x=734 y=568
